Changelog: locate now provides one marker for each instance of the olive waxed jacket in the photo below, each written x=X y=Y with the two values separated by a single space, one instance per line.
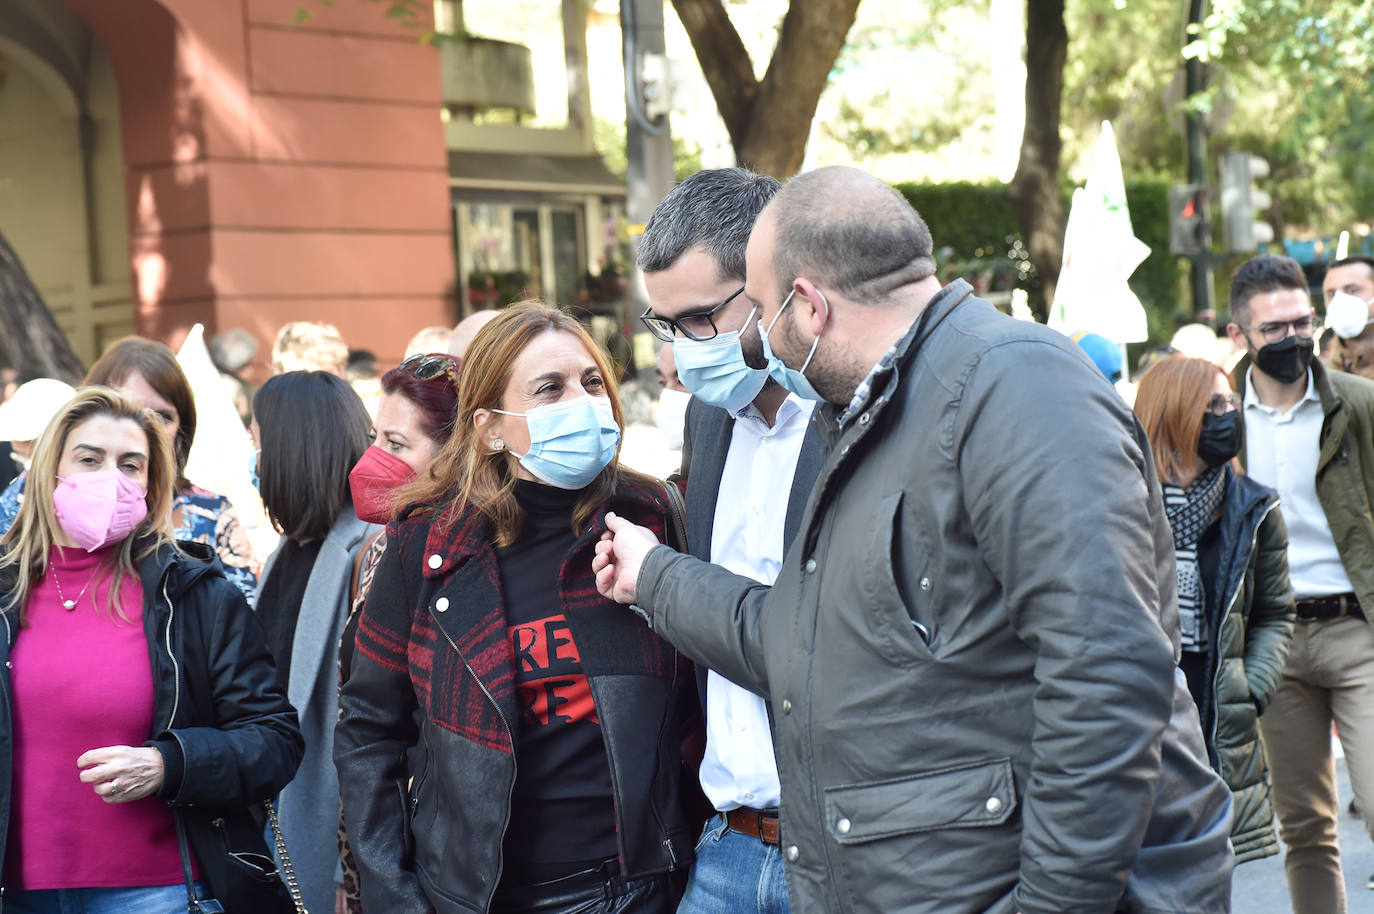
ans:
x=1345 y=469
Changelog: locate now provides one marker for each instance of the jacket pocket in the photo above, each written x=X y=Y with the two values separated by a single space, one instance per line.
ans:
x=902 y=613
x=941 y=840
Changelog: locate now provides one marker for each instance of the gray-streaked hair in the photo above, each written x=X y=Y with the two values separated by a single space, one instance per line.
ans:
x=714 y=209
x=845 y=229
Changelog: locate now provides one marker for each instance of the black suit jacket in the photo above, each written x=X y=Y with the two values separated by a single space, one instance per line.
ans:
x=705 y=445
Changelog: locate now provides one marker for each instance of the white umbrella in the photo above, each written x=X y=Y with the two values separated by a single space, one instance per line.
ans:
x=1100 y=254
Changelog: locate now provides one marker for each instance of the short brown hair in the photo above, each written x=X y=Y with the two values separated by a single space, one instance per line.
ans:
x=158 y=366
x=465 y=473
x=1170 y=403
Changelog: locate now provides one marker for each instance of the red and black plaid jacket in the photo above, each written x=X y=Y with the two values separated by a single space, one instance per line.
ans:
x=433 y=636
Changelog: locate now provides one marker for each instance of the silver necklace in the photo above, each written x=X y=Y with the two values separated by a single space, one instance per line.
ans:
x=68 y=605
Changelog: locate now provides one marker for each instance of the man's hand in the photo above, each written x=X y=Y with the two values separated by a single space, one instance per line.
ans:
x=619 y=556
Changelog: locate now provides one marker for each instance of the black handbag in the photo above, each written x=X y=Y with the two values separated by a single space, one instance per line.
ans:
x=236 y=864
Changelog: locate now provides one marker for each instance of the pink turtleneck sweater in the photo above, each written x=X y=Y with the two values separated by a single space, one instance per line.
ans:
x=81 y=680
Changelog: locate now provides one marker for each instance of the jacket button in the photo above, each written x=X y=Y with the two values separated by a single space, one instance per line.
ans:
x=793 y=853
x=435 y=561
x=441 y=604
x=843 y=826
x=787 y=706
x=810 y=566
x=993 y=805
x=925 y=583
x=863 y=420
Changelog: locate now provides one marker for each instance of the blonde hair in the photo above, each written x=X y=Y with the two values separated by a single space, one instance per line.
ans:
x=465 y=472
x=24 y=549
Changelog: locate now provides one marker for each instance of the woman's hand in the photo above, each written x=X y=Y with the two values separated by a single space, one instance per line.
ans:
x=121 y=774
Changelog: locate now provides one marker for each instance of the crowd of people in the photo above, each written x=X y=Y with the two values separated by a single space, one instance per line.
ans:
x=929 y=619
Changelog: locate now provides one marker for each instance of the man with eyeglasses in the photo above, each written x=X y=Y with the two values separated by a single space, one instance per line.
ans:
x=1310 y=435
x=750 y=456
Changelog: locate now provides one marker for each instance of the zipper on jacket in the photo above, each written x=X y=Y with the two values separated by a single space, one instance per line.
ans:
x=176 y=667
x=1216 y=649
x=510 y=792
x=662 y=725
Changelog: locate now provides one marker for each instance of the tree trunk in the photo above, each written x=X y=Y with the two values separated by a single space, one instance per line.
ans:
x=30 y=339
x=1034 y=190
x=769 y=120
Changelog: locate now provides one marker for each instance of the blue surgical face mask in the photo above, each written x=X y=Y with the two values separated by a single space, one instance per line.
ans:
x=570 y=441
x=793 y=379
x=253 y=469
x=715 y=371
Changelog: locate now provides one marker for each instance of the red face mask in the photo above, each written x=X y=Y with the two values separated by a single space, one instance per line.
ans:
x=374 y=480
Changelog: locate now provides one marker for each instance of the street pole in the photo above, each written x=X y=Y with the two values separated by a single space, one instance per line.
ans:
x=1195 y=84
x=648 y=144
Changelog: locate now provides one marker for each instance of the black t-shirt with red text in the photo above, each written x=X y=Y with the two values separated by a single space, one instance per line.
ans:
x=562 y=812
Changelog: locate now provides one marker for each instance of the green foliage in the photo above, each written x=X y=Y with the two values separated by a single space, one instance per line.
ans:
x=977 y=238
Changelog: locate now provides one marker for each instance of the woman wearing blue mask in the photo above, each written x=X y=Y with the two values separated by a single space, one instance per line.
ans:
x=524 y=719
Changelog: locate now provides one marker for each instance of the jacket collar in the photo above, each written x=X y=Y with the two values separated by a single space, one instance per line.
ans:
x=453 y=541
x=883 y=380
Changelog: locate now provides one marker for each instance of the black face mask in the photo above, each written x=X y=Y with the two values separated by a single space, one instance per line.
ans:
x=1221 y=438
x=1287 y=360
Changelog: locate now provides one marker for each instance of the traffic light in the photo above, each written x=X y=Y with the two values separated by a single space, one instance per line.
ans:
x=1190 y=232
x=1242 y=232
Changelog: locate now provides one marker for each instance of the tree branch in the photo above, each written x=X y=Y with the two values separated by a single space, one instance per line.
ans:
x=724 y=61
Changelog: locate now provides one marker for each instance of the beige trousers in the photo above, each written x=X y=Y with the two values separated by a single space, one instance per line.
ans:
x=1329 y=677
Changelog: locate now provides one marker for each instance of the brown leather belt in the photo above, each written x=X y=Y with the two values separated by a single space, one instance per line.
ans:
x=755 y=824
x=1316 y=609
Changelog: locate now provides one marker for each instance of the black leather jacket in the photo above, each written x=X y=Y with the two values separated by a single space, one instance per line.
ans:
x=427 y=829
x=227 y=734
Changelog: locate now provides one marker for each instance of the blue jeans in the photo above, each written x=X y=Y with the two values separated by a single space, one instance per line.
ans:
x=735 y=874
x=159 y=899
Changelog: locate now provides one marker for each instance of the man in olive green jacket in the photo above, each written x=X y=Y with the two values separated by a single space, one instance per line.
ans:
x=1310 y=435
x=971 y=644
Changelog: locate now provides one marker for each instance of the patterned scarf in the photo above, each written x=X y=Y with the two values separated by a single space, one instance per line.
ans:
x=1190 y=511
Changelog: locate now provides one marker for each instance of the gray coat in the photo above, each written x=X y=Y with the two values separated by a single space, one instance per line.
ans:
x=972 y=646
x=309 y=806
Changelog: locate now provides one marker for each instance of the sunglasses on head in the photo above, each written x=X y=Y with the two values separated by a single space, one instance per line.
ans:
x=429 y=367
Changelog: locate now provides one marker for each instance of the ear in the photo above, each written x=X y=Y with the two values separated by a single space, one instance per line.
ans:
x=488 y=426
x=1237 y=336
x=813 y=309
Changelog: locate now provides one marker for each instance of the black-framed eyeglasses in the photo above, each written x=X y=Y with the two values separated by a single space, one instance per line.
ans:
x=1274 y=331
x=429 y=367
x=700 y=327
x=1221 y=404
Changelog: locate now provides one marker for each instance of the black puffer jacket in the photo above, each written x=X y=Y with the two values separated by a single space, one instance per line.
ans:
x=1250 y=639
x=227 y=734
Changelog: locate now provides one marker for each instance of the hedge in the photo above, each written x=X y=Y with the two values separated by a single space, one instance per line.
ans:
x=976 y=233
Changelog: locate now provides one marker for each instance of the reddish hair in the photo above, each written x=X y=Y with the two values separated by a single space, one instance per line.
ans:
x=1170 y=401
x=436 y=398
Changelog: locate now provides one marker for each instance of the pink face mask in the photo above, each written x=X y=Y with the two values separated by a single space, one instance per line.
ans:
x=374 y=481
x=98 y=508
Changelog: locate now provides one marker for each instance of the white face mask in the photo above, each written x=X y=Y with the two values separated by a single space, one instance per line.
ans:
x=1347 y=314
x=671 y=415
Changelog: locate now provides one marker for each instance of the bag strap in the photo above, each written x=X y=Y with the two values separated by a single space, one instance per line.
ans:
x=191 y=900
x=287 y=870
x=678 y=509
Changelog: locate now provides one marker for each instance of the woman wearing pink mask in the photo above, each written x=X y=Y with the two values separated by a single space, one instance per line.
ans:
x=414 y=419
x=146 y=719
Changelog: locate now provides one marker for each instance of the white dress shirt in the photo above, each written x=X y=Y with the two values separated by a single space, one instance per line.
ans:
x=747 y=538
x=1281 y=451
